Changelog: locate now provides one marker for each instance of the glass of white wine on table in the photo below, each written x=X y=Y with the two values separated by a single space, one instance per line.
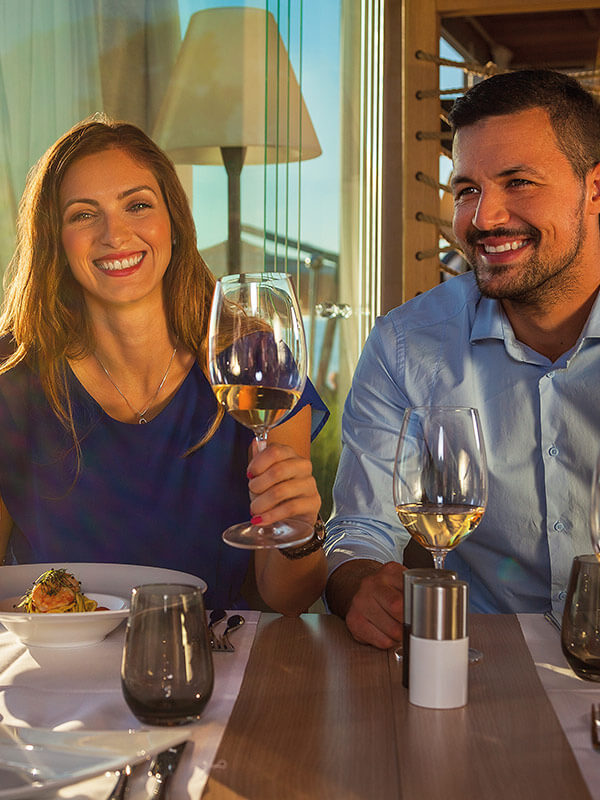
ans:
x=440 y=478
x=257 y=369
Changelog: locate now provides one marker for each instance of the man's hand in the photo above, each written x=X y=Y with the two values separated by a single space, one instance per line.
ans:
x=370 y=597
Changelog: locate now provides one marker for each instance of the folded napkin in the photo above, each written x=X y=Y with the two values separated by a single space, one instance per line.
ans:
x=80 y=688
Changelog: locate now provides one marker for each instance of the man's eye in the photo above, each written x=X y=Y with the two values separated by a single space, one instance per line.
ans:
x=520 y=182
x=460 y=193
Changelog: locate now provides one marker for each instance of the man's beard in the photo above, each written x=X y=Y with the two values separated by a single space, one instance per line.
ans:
x=537 y=279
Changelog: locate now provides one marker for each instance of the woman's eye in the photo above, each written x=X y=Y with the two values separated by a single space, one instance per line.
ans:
x=140 y=205
x=81 y=216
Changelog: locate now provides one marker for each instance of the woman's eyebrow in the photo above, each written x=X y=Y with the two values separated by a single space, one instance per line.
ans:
x=120 y=196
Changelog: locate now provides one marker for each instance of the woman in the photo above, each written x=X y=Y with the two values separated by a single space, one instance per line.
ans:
x=105 y=326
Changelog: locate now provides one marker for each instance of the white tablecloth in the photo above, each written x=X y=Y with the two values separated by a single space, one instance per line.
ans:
x=79 y=688
x=570 y=696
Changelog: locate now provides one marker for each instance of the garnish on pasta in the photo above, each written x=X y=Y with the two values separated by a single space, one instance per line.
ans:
x=56 y=592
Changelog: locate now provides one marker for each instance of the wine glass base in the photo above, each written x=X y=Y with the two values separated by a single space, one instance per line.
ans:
x=282 y=534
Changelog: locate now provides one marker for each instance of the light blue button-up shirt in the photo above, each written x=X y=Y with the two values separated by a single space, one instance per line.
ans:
x=541 y=423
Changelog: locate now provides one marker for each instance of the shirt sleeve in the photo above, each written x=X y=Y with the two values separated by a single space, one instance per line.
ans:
x=364 y=522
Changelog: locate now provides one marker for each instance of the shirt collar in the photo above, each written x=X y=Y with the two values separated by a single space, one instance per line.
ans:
x=491 y=322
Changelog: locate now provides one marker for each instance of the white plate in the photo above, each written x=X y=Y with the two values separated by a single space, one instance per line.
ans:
x=34 y=761
x=78 y=629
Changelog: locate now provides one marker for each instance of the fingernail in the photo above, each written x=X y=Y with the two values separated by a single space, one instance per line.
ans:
x=249 y=475
x=256 y=520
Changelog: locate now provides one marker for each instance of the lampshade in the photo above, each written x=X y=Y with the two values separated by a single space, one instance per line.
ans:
x=216 y=98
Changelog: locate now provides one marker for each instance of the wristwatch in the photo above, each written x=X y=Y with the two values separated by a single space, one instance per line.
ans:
x=313 y=544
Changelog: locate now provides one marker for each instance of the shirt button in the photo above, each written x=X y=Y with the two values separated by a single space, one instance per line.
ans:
x=559 y=526
x=553 y=451
x=562 y=595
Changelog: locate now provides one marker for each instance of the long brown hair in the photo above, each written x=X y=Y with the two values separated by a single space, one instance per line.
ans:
x=44 y=310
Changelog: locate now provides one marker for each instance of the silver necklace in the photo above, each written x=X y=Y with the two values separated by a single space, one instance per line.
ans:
x=141 y=415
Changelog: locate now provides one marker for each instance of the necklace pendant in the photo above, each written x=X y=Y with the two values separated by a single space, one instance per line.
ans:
x=142 y=421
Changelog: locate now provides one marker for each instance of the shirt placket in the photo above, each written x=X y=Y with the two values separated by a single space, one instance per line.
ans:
x=555 y=480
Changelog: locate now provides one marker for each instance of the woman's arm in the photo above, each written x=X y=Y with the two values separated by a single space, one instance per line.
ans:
x=282 y=486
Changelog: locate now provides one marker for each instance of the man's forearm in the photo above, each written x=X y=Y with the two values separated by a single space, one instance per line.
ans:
x=345 y=581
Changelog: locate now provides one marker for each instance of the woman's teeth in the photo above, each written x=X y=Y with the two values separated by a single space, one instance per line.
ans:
x=120 y=264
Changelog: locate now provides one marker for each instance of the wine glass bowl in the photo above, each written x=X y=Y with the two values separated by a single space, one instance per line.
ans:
x=440 y=476
x=257 y=368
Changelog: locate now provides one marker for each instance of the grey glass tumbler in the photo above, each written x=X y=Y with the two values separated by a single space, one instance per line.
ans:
x=167 y=669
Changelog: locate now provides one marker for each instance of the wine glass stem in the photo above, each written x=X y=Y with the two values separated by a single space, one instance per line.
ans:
x=438 y=560
x=261 y=440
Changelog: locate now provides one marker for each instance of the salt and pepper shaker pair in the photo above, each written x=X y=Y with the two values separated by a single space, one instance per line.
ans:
x=435 y=659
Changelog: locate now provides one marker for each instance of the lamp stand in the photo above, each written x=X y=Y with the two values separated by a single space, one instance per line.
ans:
x=233 y=158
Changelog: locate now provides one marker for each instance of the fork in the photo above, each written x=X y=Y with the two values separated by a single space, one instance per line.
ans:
x=596 y=725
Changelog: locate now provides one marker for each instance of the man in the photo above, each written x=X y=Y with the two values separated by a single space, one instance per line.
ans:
x=518 y=338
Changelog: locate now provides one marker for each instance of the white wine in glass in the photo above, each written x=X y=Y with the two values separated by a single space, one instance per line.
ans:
x=440 y=476
x=257 y=369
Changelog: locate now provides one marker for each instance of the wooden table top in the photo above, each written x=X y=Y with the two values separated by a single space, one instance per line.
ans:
x=320 y=716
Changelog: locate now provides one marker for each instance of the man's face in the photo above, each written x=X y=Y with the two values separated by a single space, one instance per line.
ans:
x=520 y=213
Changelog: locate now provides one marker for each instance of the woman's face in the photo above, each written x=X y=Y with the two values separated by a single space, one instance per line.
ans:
x=116 y=229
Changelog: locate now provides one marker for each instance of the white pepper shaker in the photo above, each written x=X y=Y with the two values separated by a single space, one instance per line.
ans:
x=439 y=644
x=411 y=575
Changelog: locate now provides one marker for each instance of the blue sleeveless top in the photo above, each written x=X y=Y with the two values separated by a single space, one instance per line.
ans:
x=136 y=499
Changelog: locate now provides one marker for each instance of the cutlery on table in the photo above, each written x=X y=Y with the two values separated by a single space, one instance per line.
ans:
x=222 y=643
x=234 y=622
x=596 y=725
x=120 y=787
x=163 y=768
x=216 y=615
x=551 y=618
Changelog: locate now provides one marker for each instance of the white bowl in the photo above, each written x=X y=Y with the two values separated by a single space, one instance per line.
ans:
x=74 y=629
x=109 y=584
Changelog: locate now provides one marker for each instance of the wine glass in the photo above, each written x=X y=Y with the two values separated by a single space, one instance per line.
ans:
x=167 y=669
x=595 y=510
x=257 y=368
x=440 y=479
x=440 y=476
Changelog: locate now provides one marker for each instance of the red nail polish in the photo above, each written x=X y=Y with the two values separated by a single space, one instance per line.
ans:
x=256 y=520
x=249 y=475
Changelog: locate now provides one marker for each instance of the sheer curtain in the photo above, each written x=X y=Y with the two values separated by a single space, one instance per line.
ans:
x=61 y=60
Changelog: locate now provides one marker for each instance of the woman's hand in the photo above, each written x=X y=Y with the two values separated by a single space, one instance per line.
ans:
x=281 y=485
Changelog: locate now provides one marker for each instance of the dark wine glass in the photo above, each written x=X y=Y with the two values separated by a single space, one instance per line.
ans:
x=580 y=630
x=167 y=669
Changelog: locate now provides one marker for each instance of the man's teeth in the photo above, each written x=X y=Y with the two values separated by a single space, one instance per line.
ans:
x=502 y=248
x=120 y=264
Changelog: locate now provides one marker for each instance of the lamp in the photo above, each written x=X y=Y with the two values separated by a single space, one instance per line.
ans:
x=233 y=99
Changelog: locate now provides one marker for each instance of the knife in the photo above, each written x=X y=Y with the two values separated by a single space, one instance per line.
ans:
x=163 y=768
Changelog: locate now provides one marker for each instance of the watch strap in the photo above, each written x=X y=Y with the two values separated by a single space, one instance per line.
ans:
x=315 y=543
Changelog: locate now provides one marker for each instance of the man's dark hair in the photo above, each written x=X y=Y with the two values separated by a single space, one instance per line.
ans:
x=573 y=112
